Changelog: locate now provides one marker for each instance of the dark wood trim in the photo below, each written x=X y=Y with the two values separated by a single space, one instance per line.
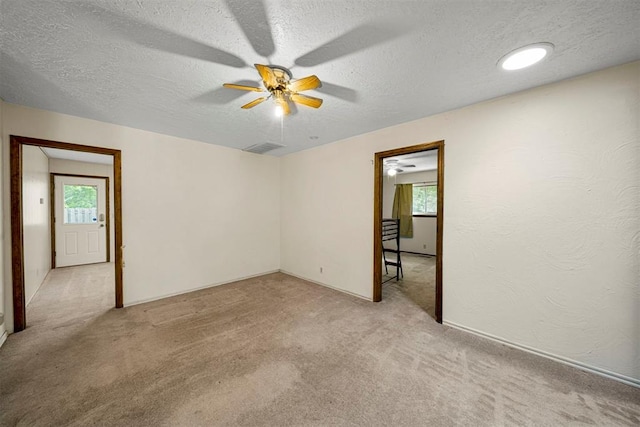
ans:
x=377 y=217
x=80 y=176
x=424 y=216
x=108 y=225
x=17 y=235
x=439 y=233
x=52 y=220
x=24 y=140
x=17 y=242
x=377 y=228
x=411 y=149
x=117 y=211
x=52 y=209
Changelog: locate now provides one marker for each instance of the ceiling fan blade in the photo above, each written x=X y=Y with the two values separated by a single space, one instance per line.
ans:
x=267 y=75
x=408 y=166
x=252 y=18
x=340 y=92
x=286 y=110
x=309 y=101
x=221 y=95
x=352 y=41
x=254 y=103
x=20 y=75
x=152 y=37
x=242 y=87
x=293 y=107
x=305 y=83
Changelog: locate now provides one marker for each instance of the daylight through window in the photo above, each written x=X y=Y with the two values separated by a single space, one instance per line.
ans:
x=80 y=204
x=425 y=199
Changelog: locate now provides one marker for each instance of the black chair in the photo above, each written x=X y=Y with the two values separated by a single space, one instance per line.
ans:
x=391 y=233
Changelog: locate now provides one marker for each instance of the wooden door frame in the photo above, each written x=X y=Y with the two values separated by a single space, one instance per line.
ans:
x=377 y=217
x=17 y=231
x=52 y=176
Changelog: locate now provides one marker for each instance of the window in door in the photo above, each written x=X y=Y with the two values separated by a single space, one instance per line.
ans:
x=80 y=204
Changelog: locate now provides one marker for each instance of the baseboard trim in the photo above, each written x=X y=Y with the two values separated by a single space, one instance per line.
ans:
x=142 y=301
x=565 y=360
x=3 y=337
x=326 y=286
x=417 y=253
x=39 y=287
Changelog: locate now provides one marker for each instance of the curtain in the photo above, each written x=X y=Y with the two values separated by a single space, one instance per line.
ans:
x=403 y=208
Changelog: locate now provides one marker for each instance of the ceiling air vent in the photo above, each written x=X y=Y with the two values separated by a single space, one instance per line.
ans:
x=263 y=148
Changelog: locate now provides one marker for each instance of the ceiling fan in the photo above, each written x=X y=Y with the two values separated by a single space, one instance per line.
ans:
x=277 y=81
x=393 y=166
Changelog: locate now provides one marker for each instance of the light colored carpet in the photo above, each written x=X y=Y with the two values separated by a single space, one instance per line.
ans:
x=279 y=351
x=418 y=283
x=72 y=294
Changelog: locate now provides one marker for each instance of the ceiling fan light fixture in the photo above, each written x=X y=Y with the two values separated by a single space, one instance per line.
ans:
x=525 y=56
x=392 y=172
x=277 y=81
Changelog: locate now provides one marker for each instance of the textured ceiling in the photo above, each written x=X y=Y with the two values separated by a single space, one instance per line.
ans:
x=78 y=156
x=422 y=161
x=159 y=65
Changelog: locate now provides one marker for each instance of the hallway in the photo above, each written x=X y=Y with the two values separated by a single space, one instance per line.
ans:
x=71 y=296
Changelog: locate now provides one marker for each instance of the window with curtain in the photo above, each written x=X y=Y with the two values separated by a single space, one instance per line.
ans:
x=425 y=199
x=402 y=209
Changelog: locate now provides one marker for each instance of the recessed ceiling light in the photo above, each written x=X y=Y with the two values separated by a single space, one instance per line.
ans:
x=525 y=56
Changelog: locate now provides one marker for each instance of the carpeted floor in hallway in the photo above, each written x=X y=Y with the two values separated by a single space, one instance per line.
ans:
x=277 y=351
x=418 y=283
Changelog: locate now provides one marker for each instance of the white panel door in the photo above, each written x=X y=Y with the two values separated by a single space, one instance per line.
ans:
x=80 y=220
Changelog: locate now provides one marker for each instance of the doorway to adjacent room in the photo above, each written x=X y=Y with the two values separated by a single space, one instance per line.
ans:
x=86 y=237
x=421 y=258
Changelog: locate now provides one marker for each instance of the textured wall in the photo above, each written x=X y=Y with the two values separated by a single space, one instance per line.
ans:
x=546 y=256
x=547 y=259
x=194 y=214
x=424 y=229
x=36 y=219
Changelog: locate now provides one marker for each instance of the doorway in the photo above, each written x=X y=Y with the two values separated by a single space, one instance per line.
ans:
x=17 y=227
x=80 y=220
x=378 y=217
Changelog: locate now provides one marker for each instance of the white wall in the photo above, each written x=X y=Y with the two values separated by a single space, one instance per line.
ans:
x=424 y=228
x=166 y=183
x=36 y=219
x=95 y=169
x=541 y=210
x=541 y=219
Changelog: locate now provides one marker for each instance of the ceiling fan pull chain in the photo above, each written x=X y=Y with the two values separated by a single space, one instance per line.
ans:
x=282 y=129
